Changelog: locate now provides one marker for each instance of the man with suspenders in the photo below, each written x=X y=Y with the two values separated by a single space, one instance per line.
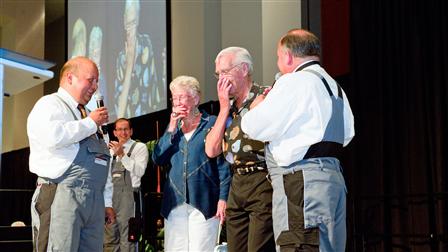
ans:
x=305 y=121
x=129 y=160
x=71 y=161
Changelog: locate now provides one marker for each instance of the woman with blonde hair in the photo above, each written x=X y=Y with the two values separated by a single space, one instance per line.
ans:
x=196 y=190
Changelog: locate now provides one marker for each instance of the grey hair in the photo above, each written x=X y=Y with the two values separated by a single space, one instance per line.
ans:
x=301 y=43
x=241 y=56
x=187 y=83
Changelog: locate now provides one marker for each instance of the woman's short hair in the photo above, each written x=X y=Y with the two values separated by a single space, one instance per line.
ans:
x=187 y=83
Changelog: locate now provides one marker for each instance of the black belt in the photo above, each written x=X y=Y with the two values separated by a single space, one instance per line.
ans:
x=249 y=169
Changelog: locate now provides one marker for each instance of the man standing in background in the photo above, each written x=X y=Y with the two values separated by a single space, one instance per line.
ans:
x=128 y=165
x=306 y=120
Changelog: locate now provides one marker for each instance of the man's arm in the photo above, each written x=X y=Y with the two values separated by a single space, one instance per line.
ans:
x=108 y=192
x=279 y=110
x=213 y=140
x=50 y=124
x=225 y=179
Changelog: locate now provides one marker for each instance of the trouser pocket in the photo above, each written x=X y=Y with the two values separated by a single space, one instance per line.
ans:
x=43 y=208
x=297 y=235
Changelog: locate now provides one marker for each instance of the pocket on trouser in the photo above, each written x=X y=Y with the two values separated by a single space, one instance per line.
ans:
x=43 y=207
x=297 y=235
x=111 y=237
x=45 y=198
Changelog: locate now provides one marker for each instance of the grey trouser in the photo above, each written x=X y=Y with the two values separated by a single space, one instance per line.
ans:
x=116 y=234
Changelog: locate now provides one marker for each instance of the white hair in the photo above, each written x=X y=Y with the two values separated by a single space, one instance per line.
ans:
x=241 y=55
x=187 y=83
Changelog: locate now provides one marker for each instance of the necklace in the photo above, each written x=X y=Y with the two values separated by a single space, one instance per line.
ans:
x=187 y=126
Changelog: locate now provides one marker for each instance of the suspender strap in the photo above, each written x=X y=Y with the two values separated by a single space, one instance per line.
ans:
x=131 y=149
x=326 y=83
x=65 y=103
x=323 y=148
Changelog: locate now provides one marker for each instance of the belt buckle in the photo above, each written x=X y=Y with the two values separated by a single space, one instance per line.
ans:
x=248 y=170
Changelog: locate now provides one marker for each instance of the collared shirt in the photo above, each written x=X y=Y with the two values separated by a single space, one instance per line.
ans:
x=54 y=135
x=294 y=115
x=136 y=163
x=239 y=150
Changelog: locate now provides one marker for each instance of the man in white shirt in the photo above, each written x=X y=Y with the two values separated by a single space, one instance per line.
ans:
x=71 y=162
x=128 y=165
x=306 y=120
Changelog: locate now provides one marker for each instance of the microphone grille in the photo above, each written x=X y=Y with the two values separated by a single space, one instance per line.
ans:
x=99 y=96
x=277 y=75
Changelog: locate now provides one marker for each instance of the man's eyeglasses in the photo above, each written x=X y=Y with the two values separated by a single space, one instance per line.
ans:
x=226 y=72
x=122 y=129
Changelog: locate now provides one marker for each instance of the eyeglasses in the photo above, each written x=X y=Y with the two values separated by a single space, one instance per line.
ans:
x=180 y=98
x=226 y=72
x=122 y=129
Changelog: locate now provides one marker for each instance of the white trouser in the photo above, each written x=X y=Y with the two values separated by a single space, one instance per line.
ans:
x=186 y=229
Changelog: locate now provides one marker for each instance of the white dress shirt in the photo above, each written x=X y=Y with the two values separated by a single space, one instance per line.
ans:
x=54 y=135
x=136 y=163
x=295 y=114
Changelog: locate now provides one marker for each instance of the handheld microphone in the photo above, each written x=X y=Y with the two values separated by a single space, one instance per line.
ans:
x=277 y=76
x=100 y=103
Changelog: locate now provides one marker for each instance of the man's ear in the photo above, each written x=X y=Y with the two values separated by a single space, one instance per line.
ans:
x=245 y=69
x=69 y=77
x=289 y=58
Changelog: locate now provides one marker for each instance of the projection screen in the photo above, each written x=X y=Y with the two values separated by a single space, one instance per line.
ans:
x=128 y=42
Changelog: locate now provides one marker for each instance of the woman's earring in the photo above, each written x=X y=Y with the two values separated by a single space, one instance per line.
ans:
x=196 y=111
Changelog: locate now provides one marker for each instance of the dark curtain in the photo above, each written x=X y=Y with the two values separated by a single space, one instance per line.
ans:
x=398 y=88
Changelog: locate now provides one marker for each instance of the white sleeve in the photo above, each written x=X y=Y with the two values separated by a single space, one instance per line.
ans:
x=349 y=122
x=109 y=187
x=50 y=124
x=279 y=110
x=137 y=162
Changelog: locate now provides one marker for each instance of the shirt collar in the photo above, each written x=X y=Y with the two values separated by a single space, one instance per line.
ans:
x=302 y=64
x=68 y=98
x=128 y=143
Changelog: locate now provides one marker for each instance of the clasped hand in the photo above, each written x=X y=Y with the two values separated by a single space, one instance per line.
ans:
x=116 y=147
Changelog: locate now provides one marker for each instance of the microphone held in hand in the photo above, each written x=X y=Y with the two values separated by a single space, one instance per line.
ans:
x=100 y=103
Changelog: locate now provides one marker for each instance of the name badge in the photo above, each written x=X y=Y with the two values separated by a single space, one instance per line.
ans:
x=100 y=161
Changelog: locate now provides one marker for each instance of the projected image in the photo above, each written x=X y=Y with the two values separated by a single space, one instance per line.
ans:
x=127 y=40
